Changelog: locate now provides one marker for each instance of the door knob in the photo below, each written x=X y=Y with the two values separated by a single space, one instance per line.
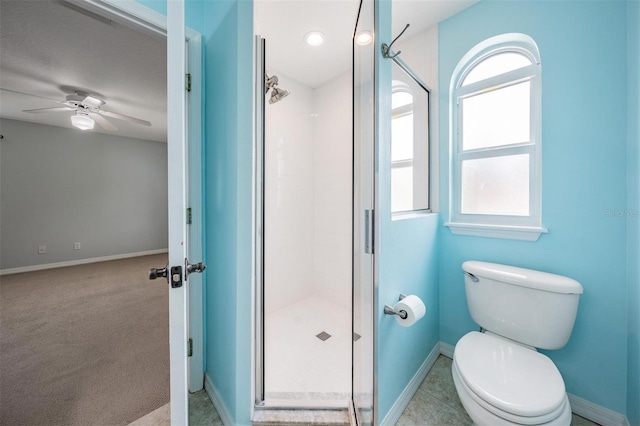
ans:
x=157 y=273
x=195 y=267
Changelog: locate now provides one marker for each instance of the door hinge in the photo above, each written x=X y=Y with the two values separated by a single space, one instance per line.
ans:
x=190 y=347
x=189 y=216
x=188 y=82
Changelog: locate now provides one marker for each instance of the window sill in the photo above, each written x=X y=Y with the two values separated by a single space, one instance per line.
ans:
x=522 y=233
x=411 y=214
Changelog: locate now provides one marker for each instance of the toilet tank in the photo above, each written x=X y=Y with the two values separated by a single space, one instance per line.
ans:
x=532 y=307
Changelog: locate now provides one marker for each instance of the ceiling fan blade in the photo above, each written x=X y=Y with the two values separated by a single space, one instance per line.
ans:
x=29 y=94
x=125 y=118
x=103 y=122
x=56 y=109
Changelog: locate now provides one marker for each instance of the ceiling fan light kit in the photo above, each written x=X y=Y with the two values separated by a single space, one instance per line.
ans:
x=82 y=121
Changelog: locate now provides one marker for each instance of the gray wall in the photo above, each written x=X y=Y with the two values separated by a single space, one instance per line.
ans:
x=59 y=186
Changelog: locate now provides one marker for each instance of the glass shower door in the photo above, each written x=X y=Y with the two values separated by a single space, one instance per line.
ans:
x=363 y=215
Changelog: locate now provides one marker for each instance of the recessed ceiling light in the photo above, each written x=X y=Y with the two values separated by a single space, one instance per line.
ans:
x=314 y=38
x=363 y=38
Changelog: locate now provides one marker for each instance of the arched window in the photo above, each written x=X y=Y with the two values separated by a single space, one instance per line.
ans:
x=496 y=157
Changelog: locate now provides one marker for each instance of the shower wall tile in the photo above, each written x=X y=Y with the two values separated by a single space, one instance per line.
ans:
x=332 y=166
x=289 y=200
x=308 y=162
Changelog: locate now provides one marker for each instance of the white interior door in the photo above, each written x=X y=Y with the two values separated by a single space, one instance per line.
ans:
x=177 y=177
x=185 y=213
x=195 y=219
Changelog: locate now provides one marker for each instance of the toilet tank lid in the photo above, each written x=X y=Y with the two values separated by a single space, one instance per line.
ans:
x=523 y=277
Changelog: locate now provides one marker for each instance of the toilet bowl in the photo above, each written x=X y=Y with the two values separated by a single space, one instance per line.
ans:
x=499 y=375
x=500 y=382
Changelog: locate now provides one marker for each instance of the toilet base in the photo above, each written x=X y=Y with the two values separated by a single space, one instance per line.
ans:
x=482 y=417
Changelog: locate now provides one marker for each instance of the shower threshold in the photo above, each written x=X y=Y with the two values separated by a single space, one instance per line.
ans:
x=302 y=416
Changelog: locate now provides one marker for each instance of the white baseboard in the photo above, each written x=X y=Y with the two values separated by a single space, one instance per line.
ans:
x=218 y=403
x=596 y=413
x=409 y=391
x=79 y=262
x=583 y=408
x=446 y=349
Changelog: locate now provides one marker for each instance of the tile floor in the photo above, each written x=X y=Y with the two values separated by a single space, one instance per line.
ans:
x=435 y=403
x=201 y=413
x=299 y=365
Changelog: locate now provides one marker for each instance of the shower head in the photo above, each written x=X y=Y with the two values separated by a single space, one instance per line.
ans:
x=270 y=83
x=278 y=94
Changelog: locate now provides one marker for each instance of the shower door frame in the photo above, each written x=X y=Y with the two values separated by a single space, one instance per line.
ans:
x=258 y=216
x=258 y=211
x=259 y=245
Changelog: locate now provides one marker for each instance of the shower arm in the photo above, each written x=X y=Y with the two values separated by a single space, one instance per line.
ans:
x=269 y=82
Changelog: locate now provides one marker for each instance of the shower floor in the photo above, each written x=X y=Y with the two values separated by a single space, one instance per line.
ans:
x=301 y=366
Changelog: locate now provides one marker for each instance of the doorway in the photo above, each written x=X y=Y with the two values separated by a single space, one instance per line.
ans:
x=125 y=16
x=99 y=186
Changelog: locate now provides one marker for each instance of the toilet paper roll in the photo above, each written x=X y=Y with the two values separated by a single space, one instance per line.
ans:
x=413 y=306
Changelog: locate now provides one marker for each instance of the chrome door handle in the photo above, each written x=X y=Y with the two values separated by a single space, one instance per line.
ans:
x=192 y=268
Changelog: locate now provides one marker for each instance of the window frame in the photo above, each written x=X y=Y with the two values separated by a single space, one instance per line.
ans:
x=527 y=227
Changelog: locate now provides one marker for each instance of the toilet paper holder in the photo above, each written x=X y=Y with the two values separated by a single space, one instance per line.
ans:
x=390 y=310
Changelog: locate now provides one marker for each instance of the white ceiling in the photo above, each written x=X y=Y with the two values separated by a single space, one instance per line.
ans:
x=49 y=51
x=283 y=24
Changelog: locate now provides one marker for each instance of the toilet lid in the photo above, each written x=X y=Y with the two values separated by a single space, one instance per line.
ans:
x=508 y=376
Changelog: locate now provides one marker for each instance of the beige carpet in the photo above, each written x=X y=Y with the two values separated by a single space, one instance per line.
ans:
x=84 y=345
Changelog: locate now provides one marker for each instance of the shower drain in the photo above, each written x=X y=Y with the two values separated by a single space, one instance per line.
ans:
x=323 y=336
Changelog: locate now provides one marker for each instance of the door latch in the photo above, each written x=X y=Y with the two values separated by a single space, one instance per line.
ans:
x=176 y=276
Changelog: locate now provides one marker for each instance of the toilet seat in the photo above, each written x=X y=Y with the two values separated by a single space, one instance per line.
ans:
x=514 y=383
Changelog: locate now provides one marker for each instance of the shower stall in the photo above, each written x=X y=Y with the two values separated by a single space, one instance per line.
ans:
x=307 y=241
x=314 y=275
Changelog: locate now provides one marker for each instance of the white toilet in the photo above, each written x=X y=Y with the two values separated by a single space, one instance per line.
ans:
x=500 y=377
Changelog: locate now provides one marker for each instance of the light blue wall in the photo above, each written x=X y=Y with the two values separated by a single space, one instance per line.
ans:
x=227 y=27
x=583 y=50
x=633 y=206
x=407 y=253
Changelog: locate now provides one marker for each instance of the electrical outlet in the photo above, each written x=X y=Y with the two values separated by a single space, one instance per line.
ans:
x=76 y=246
x=42 y=249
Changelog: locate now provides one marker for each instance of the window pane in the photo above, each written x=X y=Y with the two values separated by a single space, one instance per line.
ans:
x=402 y=138
x=497 y=185
x=401 y=189
x=495 y=118
x=401 y=98
x=496 y=65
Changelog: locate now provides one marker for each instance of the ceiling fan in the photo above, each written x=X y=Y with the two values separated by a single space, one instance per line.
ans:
x=88 y=112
